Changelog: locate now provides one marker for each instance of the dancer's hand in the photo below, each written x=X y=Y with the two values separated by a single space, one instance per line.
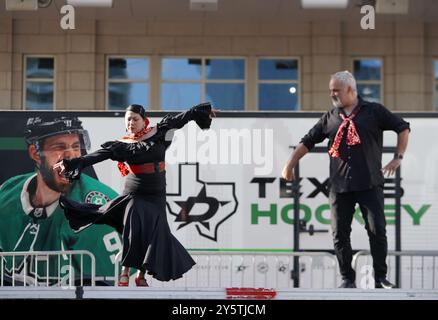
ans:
x=59 y=166
x=213 y=113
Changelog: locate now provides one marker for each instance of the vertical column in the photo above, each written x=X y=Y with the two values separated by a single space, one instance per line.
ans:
x=409 y=66
x=81 y=67
x=431 y=39
x=6 y=64
x=325 y=60
x=300 y=45
x=39 y=38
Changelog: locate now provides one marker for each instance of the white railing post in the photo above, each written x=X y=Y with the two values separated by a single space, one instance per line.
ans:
x=117 y=259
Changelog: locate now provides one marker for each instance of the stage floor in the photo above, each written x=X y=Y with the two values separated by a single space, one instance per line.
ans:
x=213 y=293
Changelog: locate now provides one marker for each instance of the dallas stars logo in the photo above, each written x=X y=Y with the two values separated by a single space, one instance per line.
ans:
x=186 y=206
x=96 y=197
x=206 y=205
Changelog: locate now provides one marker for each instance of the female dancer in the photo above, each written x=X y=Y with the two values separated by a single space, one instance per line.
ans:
x=139 y=214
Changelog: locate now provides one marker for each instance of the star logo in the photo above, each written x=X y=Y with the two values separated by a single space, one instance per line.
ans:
x=96 y=197
x=205 y=205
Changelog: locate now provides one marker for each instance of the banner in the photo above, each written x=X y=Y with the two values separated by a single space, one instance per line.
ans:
x=224 y=189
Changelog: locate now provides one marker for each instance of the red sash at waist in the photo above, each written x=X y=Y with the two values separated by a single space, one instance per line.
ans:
x=147 y=167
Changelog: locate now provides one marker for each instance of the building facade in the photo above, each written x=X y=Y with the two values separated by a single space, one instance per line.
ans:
x=246 y=55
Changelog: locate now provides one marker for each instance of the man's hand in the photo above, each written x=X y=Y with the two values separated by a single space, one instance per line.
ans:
x=391 y=167
x=288 y=173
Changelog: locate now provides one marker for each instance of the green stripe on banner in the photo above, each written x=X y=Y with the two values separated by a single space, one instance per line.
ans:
x=241 y=250
x=12 y=144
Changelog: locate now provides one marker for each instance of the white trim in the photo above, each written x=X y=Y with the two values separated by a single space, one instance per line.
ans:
x=36 y=236
x=29 y=225
x=25 y=199
x=22 y=235
x=146 y=256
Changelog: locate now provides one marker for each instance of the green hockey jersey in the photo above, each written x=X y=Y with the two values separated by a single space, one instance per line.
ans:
x=25 y=228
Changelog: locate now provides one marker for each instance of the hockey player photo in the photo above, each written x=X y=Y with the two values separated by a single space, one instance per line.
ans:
x=31 y=219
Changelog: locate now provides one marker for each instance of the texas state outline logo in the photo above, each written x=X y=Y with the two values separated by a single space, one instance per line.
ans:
x=207 y=205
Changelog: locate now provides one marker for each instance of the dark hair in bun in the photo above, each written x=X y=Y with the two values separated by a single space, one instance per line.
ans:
x=137 y=108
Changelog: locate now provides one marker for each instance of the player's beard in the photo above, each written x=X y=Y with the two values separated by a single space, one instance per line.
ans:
x=48 y=175
x=337 y=103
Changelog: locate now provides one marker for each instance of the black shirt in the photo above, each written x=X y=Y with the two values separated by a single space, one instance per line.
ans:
x=358 y=167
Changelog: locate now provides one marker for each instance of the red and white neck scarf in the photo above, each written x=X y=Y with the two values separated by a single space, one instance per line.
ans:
x=123 y=168
x=352 y=135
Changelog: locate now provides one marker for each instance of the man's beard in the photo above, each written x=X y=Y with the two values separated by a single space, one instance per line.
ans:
x=48 y=175
x=337 y=103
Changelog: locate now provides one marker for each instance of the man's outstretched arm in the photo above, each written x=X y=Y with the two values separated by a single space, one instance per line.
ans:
x=297 y=154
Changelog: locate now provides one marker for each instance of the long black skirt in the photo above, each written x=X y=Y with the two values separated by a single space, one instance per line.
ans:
x=148 y=243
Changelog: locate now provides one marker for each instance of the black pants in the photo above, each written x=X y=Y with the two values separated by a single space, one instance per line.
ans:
x=371 y=203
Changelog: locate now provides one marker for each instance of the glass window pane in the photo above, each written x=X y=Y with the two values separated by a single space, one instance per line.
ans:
x=225 y=69
x=278 y=96
x=276 y=69
x=181 y=69
x=128 y=68
x=39 y=68
x=180 y=96
x=370 y=92
x=39 y=95
x=123 y=94
x=436 y=97
x=226 y=96
x=368 y=69
x=436 y=85
x=436 y=70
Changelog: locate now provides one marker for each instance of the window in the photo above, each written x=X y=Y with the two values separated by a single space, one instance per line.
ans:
x=278 y=87
x=39 y=83
x=189 y=81
x=368 y=74
x=127 y=82
x=436 y=83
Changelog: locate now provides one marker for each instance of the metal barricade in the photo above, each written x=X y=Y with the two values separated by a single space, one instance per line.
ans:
x=47 y=268
x=418 y=269
x=216 y=269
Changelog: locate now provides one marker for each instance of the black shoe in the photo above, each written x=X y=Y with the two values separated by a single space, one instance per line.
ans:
x=383 y=283
x=347 y=284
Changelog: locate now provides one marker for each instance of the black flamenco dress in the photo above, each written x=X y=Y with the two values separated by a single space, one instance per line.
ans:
x=139 y=214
